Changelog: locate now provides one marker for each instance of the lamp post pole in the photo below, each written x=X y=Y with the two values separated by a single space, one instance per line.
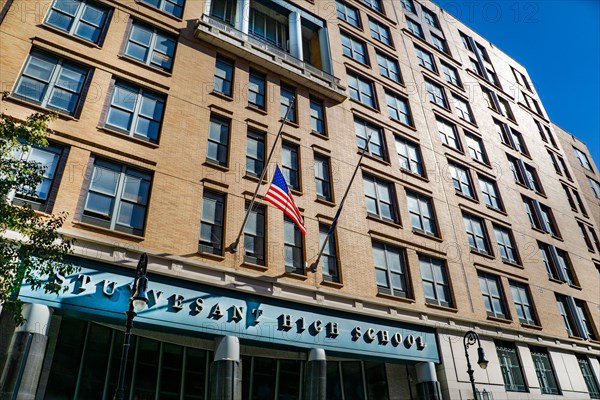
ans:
x=138 y=302
x=471 y=337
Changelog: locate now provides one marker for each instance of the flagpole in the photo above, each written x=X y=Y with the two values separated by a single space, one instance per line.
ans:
x=234 y=246
x=339 y=211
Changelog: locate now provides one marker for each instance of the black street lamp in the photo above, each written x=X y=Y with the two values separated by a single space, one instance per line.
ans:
x=470 y=338
x=137 y=302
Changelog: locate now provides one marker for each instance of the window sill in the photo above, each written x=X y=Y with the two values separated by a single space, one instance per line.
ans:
x=440 y=307
x=498 y=319
x=464 y=196
x=376 y=110
x=557 y=238
x=289 y=123
x=72 y=37
x=211 y=256
x=551 y=279
x=453 y=148
x=530 y=326
x=374 y=158
x=427 y=235
x=337 y=285
x=144 y=65
x=214 y=165
x=499 y=211
x=126 y=136
x=257 y=109
x=221 y=95
x=325 y=202
x=396 y=298
x=346 y=23
x=414 y=174
x=489 y=256
x=322 y=135
x=255 y=179
x=383 y=221
x=574 y=286
x=295 y=275
x=253 y=266
x=512 y=264
x=108 y=231
x=61 y=114
x=296 y=192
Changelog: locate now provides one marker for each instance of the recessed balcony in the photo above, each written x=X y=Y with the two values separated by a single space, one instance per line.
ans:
x=274 y=57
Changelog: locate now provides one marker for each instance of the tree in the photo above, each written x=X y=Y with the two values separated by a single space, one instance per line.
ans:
x=31 y=248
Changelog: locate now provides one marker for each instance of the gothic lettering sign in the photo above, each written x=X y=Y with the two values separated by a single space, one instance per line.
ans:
x=101 y=291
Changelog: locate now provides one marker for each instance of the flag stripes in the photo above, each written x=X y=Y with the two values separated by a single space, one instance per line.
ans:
x=280 y=196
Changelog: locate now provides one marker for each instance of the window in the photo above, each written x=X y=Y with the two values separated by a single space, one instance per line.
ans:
x=329 y=257
x=414 y=28
x=533 y=179
x=583 y=160
x=566 y=314
x=255 y=152
x=548 y=260
x=493 y=297
x=586 y=238
x=117 y=197
x=380 y=32
x=288 y=100
x=223 y=76
x=323 y=178
x=462 y=109
x=557 y=263
x=461 y=180
x=512 y=372
x=254 y=236
x=502 y=131
x=361 y=89
x=408 y=5
x=430 y=18
x=136 y=111
x=505 y=108
x=491 y=196
x=47 y=158
x=483 y=52
x=559 y=165
x=435 y=281
x=450 y=74
x=594 y=237
x=493 y=79
x=476 y=233
x=375 y=5
x=265 y=26
x=53 y=82
x=530 y=209
x=420 y=209
x=379 y=198
x=211 y=227
x=595 y=186
x=513 y=165
x=256 y=89
x=564 y=266
x=409 y=155
x=156 y=48
x=390 y=269
x=448 y=133
x=532 y=104
x=398 y=107
x=506 y=245
x=435 y=94
x=476 y=150
x=425 y=59
x=354 y=48
x=388 y=67
x=293 y=252
x=584 y=316
x=523 y=304
x=173 y=7
x=439 y=43
x=347 y=13
x=548 y=218
x=544 y=371
x=466 y=41
x=588 y=376
x=317 y=116
x=84 y=19
x=218 y=140
x=521 y=79
x=579 y=202
x=477 y=68
x=518 y=142
x=223 y=10
x=290 y=165
x=364 y=130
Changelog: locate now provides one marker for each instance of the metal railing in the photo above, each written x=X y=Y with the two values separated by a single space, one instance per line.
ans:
x=269 y=48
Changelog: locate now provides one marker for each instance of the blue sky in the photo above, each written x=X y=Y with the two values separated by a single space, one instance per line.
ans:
x=558 y=41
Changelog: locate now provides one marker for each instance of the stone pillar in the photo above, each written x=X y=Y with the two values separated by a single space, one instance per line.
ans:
x=315 y=376
x=428 y=387
x=225 y=374
x=207 y=6
x=325 y=53
x=243 y=14
x=25 y=356
x=295 y=33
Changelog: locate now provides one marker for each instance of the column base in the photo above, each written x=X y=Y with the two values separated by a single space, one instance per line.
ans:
x=225 y=380
x=23 y=366
x=429 y=390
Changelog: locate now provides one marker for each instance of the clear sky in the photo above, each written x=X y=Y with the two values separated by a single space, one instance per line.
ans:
x=558 y=42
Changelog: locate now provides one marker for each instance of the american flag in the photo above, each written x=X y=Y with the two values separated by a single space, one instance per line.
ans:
x=280 y=196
